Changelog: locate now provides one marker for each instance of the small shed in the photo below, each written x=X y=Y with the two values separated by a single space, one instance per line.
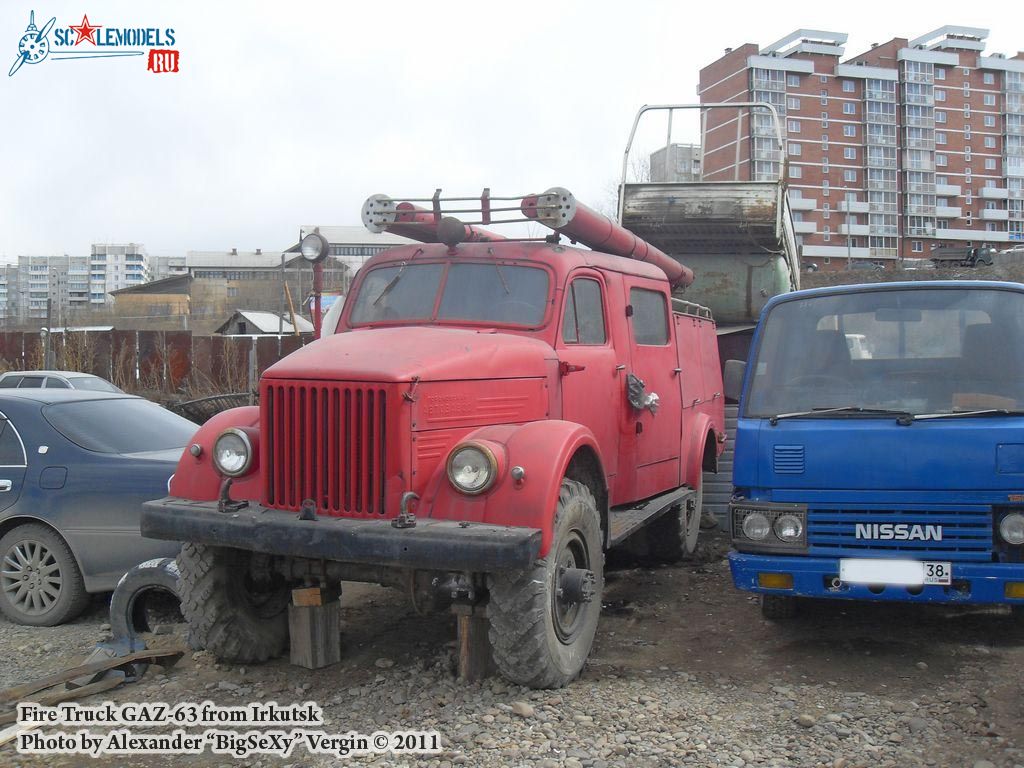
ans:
x=252 y=322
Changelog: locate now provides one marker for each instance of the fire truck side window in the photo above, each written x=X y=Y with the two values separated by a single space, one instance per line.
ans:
x=650 y=317
x=584 y=313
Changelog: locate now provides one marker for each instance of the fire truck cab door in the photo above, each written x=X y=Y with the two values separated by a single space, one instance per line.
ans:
x=589 y=357
x=654 y=362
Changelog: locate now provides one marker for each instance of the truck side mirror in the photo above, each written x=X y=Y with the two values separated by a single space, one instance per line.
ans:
x=732 y=379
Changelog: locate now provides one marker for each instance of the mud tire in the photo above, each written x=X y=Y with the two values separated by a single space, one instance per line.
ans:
x=227 y=614
x=528 y=624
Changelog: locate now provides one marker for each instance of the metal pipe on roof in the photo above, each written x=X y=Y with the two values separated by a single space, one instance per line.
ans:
x=382 y=214
x=559 y=210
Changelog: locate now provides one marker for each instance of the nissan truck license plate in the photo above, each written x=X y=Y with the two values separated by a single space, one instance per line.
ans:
x=910 y=573
x=938 y=573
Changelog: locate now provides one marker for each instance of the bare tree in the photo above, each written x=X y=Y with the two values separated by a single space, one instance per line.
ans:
x=123 y=372
x=637 y=172
x=78 y=352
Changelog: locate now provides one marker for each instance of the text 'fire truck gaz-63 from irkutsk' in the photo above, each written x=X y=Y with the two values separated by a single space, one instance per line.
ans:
x=488 y=417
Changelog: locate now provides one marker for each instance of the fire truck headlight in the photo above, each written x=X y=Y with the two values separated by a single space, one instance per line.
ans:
x=1011 y=528
x=232 y=453
x=313 y=247
x=788 y=528
x=472 y=468
x=755 y=526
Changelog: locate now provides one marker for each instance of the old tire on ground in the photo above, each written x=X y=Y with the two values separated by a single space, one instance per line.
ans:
x=228 y=613
x=674 y=535
x=128 y=603
x=777 y=607
x=40 y=582
x=538 y=638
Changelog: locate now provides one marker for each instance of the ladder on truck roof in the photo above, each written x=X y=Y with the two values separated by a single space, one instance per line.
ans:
x=737 y=235
x=556 y=208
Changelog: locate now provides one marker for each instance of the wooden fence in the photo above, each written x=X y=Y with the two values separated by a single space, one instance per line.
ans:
x=174 y=363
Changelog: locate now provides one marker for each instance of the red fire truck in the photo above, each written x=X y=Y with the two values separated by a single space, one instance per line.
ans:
x=488 y=417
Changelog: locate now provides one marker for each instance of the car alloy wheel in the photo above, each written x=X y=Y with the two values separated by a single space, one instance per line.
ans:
x=31 y=577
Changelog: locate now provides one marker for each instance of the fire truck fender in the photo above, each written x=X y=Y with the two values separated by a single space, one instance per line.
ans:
x=543 y=450
x=697 y=459
x=196 y=478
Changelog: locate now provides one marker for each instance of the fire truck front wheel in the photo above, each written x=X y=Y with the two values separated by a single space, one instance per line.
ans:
x=230 y=612
x=543 y=620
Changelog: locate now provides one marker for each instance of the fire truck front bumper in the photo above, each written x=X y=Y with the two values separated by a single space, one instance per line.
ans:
x=430 y=544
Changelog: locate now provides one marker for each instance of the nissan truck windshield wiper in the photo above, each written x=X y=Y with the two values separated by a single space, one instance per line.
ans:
x=966 y=414
x=902 y=417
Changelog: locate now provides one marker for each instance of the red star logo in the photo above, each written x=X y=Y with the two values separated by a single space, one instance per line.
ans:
x=86 y=32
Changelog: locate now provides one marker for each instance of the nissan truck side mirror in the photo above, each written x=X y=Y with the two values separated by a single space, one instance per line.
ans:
x=732 y=379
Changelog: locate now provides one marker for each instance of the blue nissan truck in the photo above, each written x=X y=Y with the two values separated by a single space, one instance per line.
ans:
x=879 y=451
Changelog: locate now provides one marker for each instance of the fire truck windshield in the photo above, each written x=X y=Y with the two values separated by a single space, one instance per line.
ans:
x=866 y=354
x=472 y=292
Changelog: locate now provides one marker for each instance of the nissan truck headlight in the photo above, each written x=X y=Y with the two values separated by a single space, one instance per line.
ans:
x=1011 y=528
x=472 y=468
x=788 y=528
x=755 y=526
x=232 y=453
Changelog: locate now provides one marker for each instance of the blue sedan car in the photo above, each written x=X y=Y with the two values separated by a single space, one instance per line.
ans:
x=75 y=468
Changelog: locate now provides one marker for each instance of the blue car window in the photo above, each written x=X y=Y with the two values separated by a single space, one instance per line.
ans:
x=119 y=425
x=11 y=453
x=10 y=382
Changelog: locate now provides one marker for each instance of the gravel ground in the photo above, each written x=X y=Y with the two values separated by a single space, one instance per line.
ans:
x=684 y=672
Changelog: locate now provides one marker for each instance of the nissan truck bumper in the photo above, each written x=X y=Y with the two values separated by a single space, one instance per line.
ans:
x=972 y=583
x=430 y=545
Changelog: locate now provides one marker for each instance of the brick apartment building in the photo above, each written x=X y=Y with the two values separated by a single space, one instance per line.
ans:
x=907 y=147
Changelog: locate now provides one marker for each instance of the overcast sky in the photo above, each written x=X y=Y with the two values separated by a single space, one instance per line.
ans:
x=292 y=113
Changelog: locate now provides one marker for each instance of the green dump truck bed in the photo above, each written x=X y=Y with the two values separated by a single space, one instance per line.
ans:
x=737 y=237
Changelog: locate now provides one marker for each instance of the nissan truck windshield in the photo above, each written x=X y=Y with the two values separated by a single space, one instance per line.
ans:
x=918 y=352
x=504 y=294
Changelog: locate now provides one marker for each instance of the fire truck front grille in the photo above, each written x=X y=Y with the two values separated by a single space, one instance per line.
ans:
x=324 y=442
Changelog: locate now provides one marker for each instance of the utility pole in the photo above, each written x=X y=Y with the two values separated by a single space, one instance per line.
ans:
x=48 y=338
x=280 y=314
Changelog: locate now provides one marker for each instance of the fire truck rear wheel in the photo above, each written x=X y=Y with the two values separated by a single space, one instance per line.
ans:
x=229 y=613
x=674 y=535
x=539 y=638
x=777 y=607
